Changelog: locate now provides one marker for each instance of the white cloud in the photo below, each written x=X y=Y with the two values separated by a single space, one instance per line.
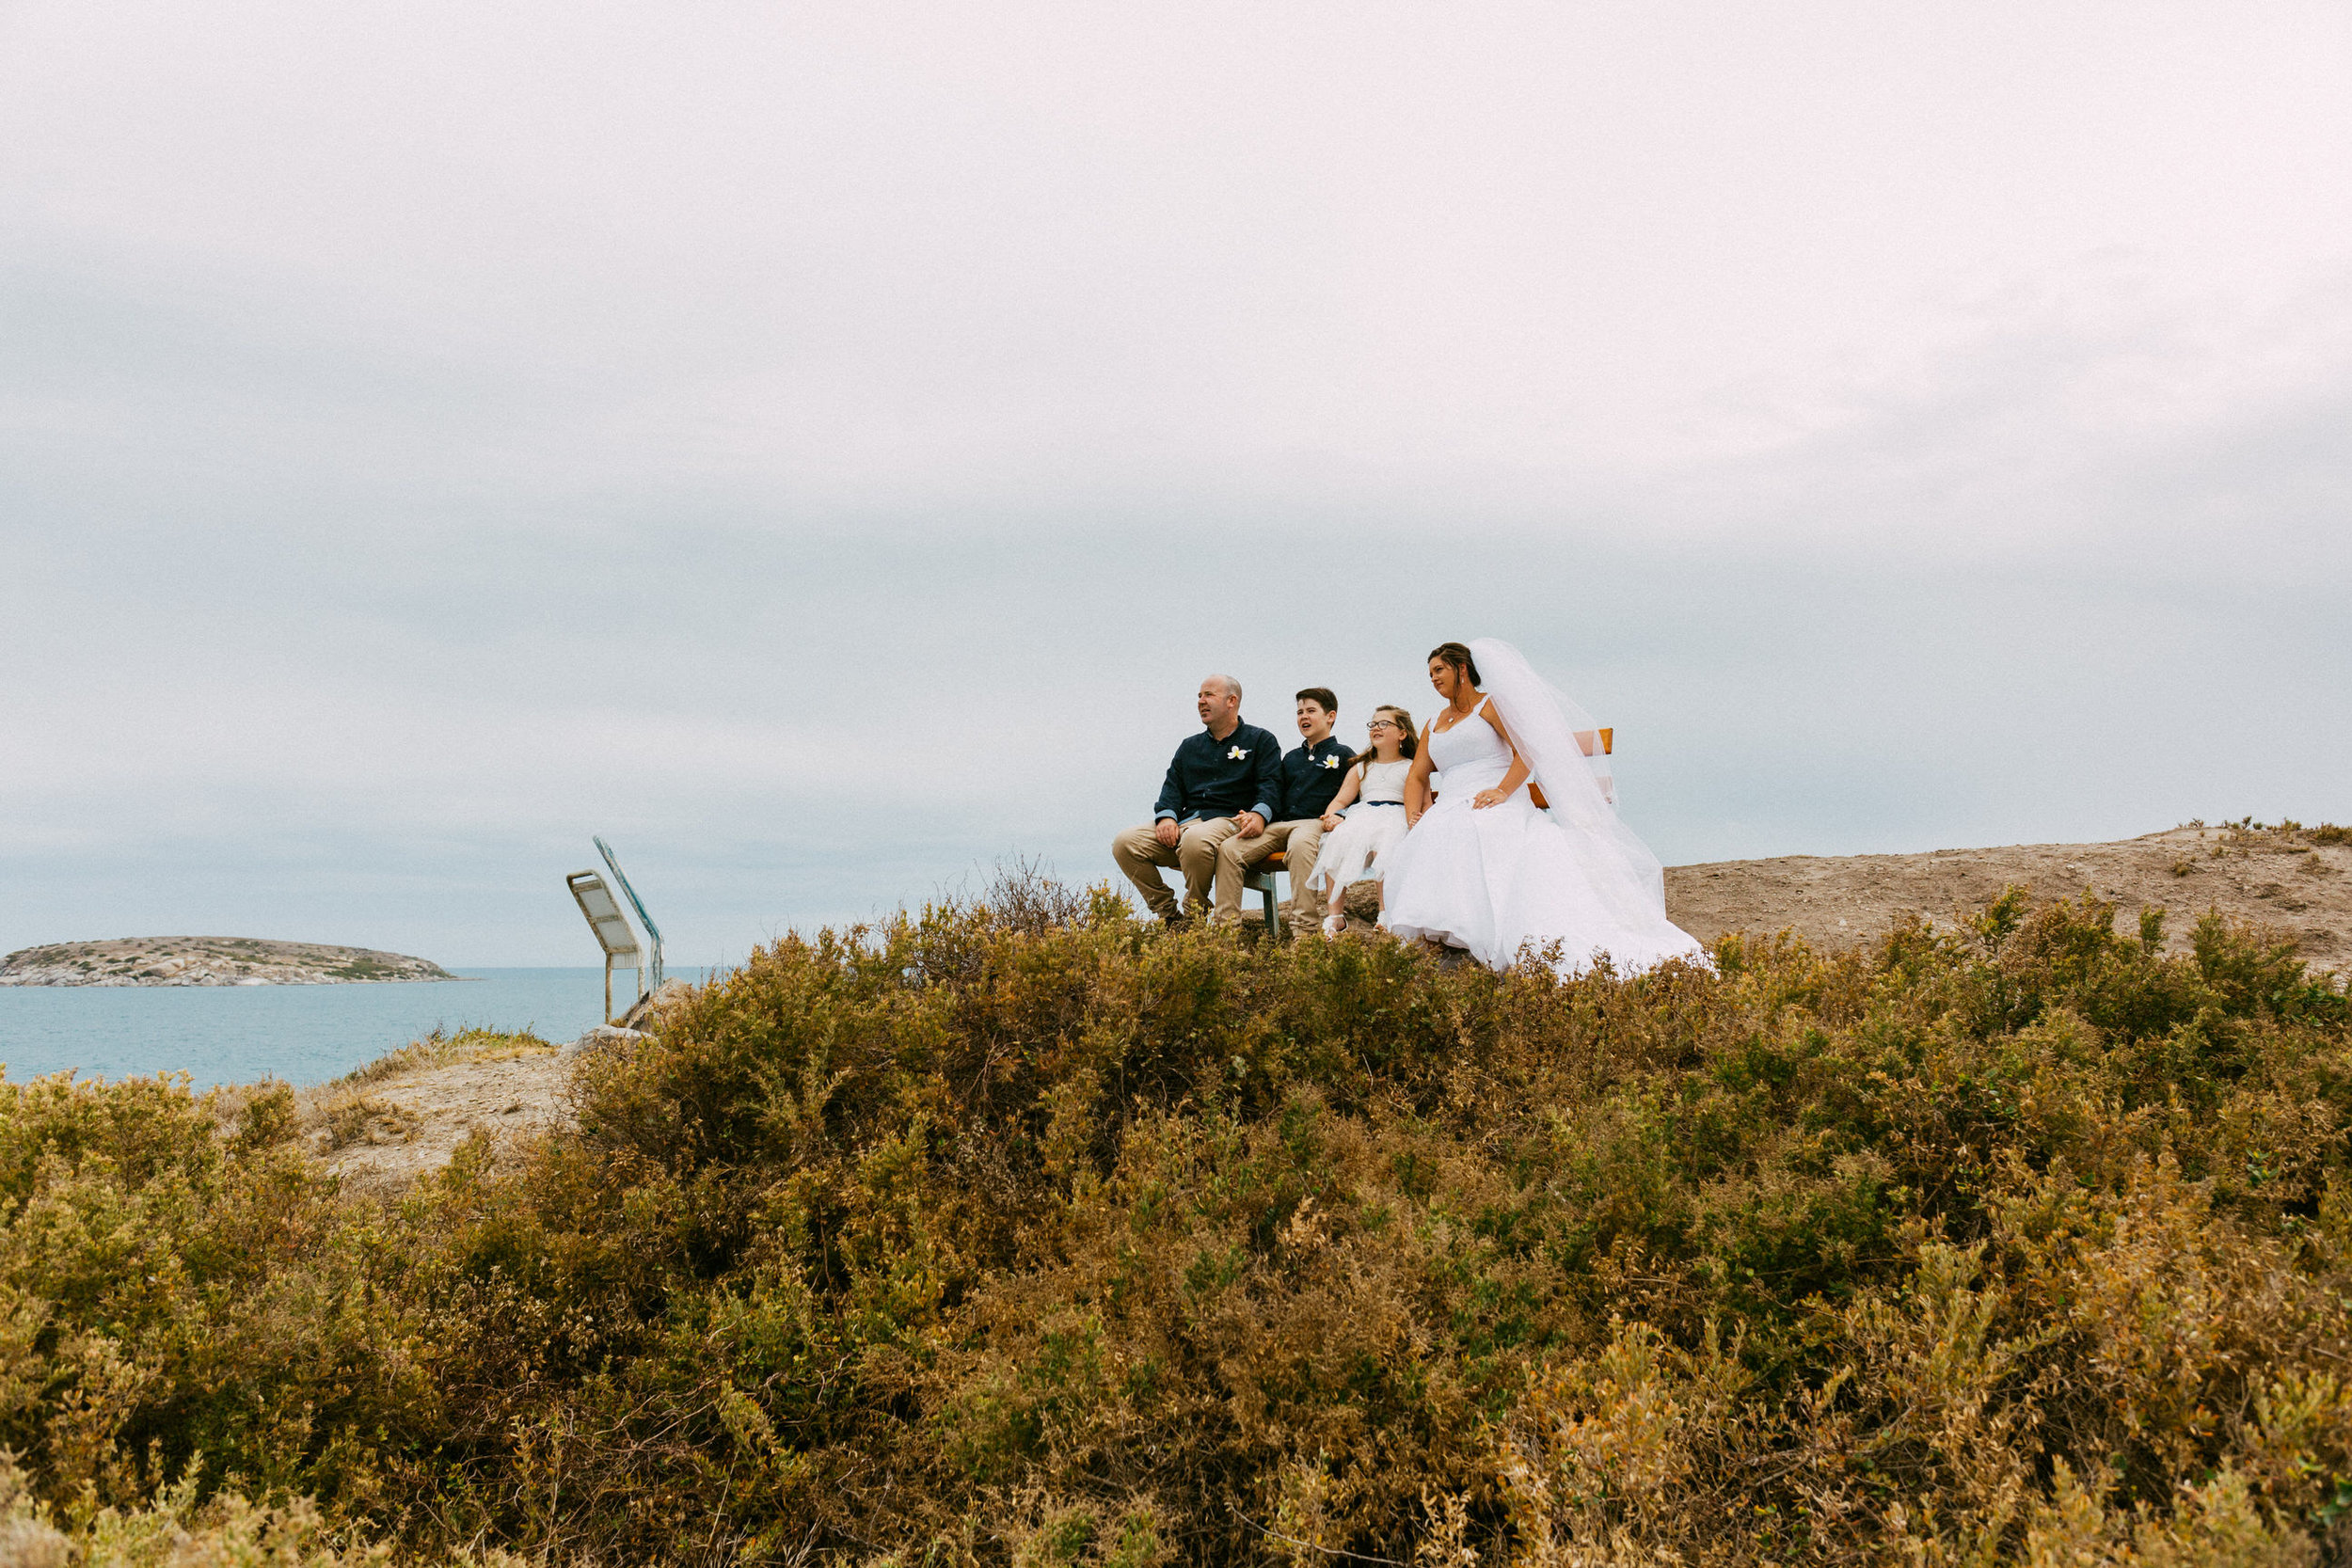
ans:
x=823 y=446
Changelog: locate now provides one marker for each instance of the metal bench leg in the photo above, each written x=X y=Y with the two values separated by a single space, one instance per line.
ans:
x=1273 y=921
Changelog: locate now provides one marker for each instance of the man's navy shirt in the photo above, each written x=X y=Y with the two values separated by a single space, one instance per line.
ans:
x=1310 y=776
x=1210 y=777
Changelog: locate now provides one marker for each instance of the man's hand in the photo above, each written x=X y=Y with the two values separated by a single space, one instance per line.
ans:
x=1251 y=824
x=1165 y=831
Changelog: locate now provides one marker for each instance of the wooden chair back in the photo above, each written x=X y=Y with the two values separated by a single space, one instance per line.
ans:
x=1608 y=749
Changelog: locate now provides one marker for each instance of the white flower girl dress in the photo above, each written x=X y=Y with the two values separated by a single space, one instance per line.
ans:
x=1373 y=825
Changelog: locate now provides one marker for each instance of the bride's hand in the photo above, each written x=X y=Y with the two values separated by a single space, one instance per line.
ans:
x=1486 y=798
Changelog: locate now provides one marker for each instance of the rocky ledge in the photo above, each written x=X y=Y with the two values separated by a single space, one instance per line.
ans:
x=208 y=962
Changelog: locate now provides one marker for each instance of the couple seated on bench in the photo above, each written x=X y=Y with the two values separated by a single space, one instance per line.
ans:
x=1235 y=807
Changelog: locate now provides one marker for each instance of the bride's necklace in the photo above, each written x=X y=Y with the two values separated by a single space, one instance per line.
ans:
x=1454 y=716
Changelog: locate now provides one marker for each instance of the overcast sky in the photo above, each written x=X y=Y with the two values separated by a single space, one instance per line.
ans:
x=820 y=448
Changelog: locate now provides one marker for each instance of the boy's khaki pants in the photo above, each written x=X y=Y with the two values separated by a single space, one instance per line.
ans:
x=1139 y=854
x=1299 y=840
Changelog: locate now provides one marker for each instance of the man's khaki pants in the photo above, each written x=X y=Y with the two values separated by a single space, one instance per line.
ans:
x=1140 y=854
x=1299 y=840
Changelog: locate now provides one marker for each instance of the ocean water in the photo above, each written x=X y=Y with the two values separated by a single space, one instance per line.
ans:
x=303 y=1034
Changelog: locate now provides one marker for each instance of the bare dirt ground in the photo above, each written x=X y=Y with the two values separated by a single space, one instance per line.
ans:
x=405 y=1116
x=385 y=1136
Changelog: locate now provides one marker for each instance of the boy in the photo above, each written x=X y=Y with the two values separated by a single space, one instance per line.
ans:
x=1310 y=776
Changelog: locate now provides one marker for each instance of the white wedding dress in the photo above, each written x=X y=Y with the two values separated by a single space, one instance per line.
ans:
x=1495 y=882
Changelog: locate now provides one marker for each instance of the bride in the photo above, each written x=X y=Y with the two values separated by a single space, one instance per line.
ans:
x=1484 y=868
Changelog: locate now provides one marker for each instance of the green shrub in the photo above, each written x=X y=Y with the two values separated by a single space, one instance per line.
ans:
x=171 y=1286
x=1017 y=1232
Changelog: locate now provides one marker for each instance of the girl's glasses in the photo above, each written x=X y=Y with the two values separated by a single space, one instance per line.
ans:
x=1381 y=724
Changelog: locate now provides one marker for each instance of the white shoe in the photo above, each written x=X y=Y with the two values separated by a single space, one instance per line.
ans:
x=1334 y=924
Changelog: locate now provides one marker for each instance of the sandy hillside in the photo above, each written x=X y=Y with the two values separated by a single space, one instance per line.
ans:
x=2285 y=880
x=405 y=1116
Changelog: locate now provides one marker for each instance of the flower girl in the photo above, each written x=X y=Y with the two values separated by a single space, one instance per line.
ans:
x=1375 y=786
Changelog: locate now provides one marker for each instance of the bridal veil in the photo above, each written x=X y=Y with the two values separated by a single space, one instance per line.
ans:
x=1560 y=745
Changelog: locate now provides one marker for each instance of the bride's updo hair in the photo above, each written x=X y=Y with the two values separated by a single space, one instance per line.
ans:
x=1459 y=656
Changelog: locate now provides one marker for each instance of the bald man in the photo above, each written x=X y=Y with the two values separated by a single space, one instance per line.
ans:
x=1223 y=782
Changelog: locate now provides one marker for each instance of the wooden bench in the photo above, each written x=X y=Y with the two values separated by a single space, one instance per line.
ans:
x=1259 y=878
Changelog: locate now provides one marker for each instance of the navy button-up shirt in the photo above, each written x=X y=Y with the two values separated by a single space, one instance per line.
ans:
x=1209 y=777
x=1310 y=776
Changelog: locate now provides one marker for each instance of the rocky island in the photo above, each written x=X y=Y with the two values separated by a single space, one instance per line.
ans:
x=208 y=962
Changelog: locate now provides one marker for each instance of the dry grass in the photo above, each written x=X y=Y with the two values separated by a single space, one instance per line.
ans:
x=351 y=1117
x=440 y=1048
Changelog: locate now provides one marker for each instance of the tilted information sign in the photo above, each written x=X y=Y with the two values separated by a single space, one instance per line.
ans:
x=603 y=914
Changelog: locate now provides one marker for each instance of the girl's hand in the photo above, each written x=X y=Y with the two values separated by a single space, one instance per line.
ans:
x=1486 y=798
x=1331 y=822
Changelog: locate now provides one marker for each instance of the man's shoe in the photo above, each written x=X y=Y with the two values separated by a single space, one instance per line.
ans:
x=1175 y=922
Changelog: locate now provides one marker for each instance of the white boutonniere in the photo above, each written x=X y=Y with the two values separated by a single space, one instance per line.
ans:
x=1328 y=762
x=1238 y=753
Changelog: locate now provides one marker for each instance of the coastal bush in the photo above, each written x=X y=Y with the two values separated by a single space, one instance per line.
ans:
x=174 y=1285
x=186 y=1527
x=1017 y=1232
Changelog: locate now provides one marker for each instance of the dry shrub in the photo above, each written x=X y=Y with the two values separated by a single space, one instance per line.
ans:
x=1017 y=1232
